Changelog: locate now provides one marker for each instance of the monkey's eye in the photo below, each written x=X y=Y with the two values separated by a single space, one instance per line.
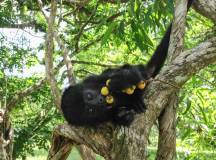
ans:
x=89 y=96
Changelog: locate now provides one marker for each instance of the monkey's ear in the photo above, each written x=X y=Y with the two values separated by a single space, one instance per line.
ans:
x=150 y=72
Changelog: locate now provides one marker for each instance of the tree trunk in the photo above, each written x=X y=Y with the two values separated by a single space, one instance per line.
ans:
x=167 y=131
x=60 y=149
x=86 y=153
x=6 y=136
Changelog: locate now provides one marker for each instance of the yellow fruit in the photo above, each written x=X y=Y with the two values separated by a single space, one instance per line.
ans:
x=104 y=91
x=107 y=82
x=141 y=85
x=130 y=90
x=109 y=99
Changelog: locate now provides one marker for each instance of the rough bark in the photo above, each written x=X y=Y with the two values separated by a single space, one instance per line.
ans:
x=178 y=30
x=49 y=55
x=67 y=60
x=60 y=149
x=167 y=120
x=55 y=152
x=207 y=8
x=167 y=131
x=86 y=153
x=6 y=136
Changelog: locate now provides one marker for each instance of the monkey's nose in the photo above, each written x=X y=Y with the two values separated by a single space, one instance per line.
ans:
x=101 y=100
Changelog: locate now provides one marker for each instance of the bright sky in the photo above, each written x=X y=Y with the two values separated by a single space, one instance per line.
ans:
x=31 y=39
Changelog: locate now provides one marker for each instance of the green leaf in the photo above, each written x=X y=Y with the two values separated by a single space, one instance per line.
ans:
x=108 y=32
x=170 y=5
x=131 y=10
x=147 y=38
x=138 y=38
x=121 y=29
x=188 y=131
x=188 y=106
x=139 y=41
x=203 y=114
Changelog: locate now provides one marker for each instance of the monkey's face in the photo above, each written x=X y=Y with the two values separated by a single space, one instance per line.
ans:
x=83 y=104
x=95 y=104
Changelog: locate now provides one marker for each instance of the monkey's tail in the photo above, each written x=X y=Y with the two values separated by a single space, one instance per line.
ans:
x=157 y=60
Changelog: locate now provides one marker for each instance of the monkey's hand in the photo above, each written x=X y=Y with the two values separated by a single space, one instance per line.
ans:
x=124 y=116
x=139 y=105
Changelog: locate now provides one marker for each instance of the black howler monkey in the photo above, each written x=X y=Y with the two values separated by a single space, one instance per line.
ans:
x=116 y=94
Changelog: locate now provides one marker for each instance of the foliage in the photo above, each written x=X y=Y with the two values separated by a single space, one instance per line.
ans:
x=198 y=110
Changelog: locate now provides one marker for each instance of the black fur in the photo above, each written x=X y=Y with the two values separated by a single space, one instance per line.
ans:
x=83 y=104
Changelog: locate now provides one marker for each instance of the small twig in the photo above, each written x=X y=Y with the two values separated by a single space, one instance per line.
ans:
x=79 y=34
x=86 y=71
x=67 y=14
x=212 y=84
x=60 y=14
x=23 y=93
x=63 y=48
x=32 y=34
x=116 y=2
x=41 y=8
x=67 y=60
x=86 y=46
x=77 y=2
x=95 y=64
x=19 y=26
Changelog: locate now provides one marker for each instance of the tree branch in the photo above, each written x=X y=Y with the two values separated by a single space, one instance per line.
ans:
x=178 y=30
x=96 y=64
x=67 y=60
x=79 y=34
x=41 y=8
x=191 y=62
x=22 y=94
x=87 y=45
x=166 y=149
x=178 y=72
x=96 y=139
x=116 y=1
x=207 y=8
x=78 y=2
x=49 y=55
x=20 y=26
